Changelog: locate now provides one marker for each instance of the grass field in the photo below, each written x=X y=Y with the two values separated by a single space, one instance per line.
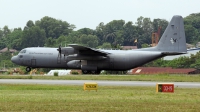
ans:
x=34 y=98
x=159 y=77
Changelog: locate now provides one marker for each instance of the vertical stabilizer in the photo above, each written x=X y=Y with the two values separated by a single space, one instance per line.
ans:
x=173 y=39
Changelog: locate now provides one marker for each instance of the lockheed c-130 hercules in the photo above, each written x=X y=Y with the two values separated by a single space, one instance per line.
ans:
x=92 y=61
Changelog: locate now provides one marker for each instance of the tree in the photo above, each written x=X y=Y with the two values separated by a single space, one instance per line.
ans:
x=54 y=28
x=193 y=19
x=162 y=23
x=1 y=33
x=6 y=31
x=4 y=34
x=195 y=63
x=86 y=31
x=30 y=24
x=129 y=34
x=145 y=45
x=50 y=42
x=147 y=28
x=14 y=39
x=105 y=45
x=61 y=40
x=191 y=34
x=33 y=37
x=110 y=29
x=119 y=38
x=192 y=28
x=73 y=37
x=93 y=41
x=5 y=59
x=99 y=33
x=89 y=40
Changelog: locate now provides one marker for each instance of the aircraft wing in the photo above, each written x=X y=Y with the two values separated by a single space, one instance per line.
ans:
x=88 y=51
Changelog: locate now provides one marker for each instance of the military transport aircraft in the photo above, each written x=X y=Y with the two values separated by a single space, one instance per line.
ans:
x=91 y=60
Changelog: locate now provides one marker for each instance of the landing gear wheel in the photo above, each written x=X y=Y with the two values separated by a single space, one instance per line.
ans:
x=84 y=71
x=93 y=72
x=98 y=72
x=28 y=69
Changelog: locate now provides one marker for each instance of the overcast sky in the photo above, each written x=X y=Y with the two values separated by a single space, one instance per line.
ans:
x=89 y=13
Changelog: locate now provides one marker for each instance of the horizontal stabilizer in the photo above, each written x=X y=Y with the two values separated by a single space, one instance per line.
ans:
x=173 y=53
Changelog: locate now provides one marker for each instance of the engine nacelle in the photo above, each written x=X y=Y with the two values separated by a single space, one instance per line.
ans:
x=74 y=64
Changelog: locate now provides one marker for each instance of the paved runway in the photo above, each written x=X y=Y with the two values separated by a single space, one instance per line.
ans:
x=104 y=83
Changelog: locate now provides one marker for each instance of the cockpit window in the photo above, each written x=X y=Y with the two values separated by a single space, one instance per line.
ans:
x=22 y=51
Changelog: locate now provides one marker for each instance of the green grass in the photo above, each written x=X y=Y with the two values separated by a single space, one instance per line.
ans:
x=34 y=98
x=161 y=77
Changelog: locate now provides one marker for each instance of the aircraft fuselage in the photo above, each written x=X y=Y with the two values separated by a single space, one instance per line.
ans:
x=41 y=57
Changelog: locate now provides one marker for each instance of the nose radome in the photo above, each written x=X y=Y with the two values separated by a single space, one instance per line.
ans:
x=14 y=59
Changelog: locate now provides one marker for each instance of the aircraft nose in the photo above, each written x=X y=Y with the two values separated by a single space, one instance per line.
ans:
x=14 y=59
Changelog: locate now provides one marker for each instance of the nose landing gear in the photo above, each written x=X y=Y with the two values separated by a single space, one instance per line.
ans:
x=91 y=71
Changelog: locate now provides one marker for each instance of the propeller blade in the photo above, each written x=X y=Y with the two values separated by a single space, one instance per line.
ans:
x=59 y=51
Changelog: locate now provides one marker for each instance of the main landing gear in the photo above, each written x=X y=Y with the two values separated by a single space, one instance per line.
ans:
x=91 y=71
x=28 y=69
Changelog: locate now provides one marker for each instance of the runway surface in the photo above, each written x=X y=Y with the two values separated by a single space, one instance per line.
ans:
x=103 y=83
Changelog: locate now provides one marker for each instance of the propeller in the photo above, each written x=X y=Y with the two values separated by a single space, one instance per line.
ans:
x=59 y=51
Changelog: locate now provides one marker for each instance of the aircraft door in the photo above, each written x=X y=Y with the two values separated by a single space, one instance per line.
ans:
x=33 y=62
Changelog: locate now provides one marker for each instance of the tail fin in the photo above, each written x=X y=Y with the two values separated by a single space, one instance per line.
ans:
x=173 y=39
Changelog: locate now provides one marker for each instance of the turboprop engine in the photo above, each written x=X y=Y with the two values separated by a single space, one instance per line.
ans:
x=74 y=64
x=66 y=51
